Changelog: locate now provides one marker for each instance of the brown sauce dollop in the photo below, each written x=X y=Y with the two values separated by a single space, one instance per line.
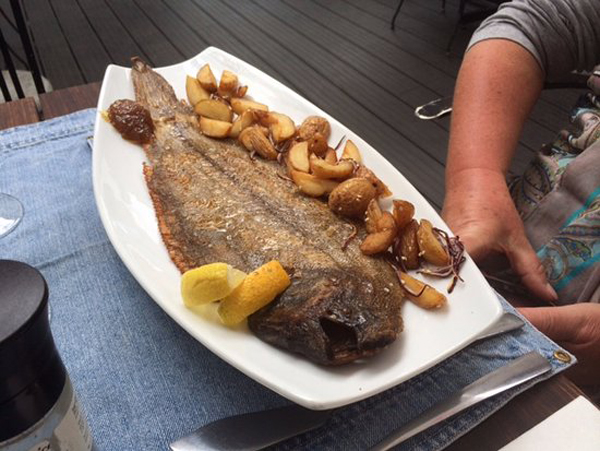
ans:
x=132 y=121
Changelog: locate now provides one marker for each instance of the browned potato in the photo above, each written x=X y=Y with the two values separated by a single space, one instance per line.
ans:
x=283 y=127
x=241 y=105
x=312 y=125
x=320 y=168
x=311 y=185
x=408 y=245
x=403 y=212
x=351 y=152
x=382 y=189
x=214 y=128
x=240 y=91
x=242 y=122
x=228 y=83
x=382 y=239
x=331 y=156
x=430 y=247
x=253 y=138
x=214 y=109
x=425 y=296
x=207 y=79
x=352 y=197
x=372 y=216
x=318 y=145
x=298 y=157
x=194 y=90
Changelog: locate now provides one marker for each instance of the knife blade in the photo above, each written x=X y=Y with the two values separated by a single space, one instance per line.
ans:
x=256 y=430
x=515 y=373
x=253 y=431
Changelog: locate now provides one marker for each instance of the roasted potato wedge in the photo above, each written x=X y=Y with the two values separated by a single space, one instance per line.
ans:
x=298 y=157
x=214 y=109
x=330 y=156
x=431 y=249
x=311 y=185
x=194 y=90
x=351 y=197
x=228 y=83
x=403 y=212
x=372 y=216
x=383 y=238
x=283 y=127
x=253 y=138
x=240 y=91
x=318 y=145
x=242 y=122
x=351 y=152
x=408 y=245
x=241 y=105
x=382 y=190
x=320 y=168
x=312 y=125
x=207 y=79
x=214 y=128
x=425 y=296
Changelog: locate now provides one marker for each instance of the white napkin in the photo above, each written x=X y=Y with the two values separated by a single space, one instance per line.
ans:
x=576 y=426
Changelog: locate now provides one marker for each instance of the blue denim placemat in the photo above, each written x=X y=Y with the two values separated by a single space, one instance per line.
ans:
x=142 y=380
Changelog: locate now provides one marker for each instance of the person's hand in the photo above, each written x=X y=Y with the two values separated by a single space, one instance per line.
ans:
x=577 y=329
x=478 y=208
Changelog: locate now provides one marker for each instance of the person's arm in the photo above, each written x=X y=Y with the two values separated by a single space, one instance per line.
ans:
x=498 y=84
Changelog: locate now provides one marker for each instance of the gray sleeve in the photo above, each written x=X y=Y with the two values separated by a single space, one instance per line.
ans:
x=563 y=35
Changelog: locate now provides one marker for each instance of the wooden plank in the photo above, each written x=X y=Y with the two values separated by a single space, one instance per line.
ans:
x=18 y=112
x=57 y=59
x=155 y=46
x=404 y=40
x=436 y=32
x=204 y=23
x=64 y=101
x=348 y=38
x=180 y=34
x=89 y=51
x=115 y=37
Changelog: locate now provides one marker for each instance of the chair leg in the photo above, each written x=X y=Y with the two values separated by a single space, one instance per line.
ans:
x=31 y=60
x=11 y=67
x=4 y=89
x=396 y=14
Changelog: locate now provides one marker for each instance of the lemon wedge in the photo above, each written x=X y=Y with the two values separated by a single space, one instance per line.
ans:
x=259 y=288
x=209 y=283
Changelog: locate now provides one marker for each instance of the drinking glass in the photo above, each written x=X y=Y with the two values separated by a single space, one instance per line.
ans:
x=11 y=213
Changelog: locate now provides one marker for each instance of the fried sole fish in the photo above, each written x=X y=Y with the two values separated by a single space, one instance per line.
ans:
x=214 y=203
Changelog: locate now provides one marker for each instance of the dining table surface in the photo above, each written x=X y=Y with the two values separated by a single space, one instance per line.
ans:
x=520 y=414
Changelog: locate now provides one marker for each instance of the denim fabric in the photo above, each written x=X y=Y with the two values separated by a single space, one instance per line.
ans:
x=142 y=380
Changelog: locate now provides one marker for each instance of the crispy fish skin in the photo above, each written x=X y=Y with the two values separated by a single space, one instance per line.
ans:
x=214 y=203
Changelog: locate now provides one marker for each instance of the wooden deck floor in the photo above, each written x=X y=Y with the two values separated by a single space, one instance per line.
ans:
x=339 y=54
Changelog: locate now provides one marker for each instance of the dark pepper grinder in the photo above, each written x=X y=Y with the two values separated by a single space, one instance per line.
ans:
x=38 y=408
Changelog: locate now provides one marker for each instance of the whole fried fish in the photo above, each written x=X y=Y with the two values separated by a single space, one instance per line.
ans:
x=214 y=203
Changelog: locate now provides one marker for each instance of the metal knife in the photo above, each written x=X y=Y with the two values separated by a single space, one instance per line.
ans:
x=254 y=431
x=515 y=373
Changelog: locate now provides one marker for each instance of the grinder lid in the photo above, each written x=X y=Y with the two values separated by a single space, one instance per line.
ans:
x=23 y=293
x=26 y=344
